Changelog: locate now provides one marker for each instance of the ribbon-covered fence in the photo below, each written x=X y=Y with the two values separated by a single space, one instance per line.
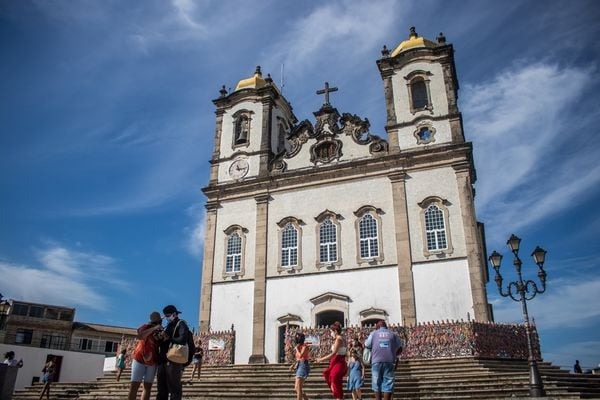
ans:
x=218 y=347
x=434 y=340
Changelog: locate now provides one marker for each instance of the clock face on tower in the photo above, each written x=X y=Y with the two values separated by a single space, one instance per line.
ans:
x=238 y=168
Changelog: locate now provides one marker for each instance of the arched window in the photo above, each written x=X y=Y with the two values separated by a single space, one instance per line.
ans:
x=235 y=240
x=418 y=91
x=280 y=138
x=419 y=96
x=368 y=233
x=327 y=242
x=435 y=228
x=290 y=244
x=435 y=222
x=369 y=238
x=328 y=239
x=234 y=254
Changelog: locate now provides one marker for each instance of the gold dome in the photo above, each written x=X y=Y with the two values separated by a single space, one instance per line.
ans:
x=414 y=40
x=254 y=82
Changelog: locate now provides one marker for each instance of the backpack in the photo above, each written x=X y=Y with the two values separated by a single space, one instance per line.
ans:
x=191 y=346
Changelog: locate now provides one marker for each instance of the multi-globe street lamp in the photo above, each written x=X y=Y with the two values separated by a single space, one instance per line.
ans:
x=522 y=291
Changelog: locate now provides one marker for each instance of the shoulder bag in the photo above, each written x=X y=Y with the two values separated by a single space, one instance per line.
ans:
x=178 y=353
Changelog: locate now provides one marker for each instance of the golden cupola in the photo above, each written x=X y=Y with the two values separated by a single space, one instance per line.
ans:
x=254 y=82
x=414 y=41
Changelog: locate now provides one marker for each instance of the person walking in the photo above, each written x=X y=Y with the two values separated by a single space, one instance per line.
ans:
x=356 y=374
x=197 y=360
x=335 y=372
x=302 y=355
x=356 y=345
x=385 y=346
x=168 y=384
x=121 y=363
x=48 y=377
x=145 y=357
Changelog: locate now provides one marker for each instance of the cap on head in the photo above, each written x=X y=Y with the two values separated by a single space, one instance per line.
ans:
x=170 y=309
x=155 y=317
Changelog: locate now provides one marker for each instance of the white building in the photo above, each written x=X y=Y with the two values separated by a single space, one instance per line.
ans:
x=312 y=223
x=73 y=366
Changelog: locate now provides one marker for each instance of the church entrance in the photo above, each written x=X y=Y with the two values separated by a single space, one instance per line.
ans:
x=370 y=322
x=328 y=317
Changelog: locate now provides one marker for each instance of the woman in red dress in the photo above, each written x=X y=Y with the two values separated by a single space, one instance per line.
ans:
x=334 y=374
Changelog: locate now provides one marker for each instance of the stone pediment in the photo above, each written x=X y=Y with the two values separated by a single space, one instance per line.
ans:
x=333 y=138
x=287 y=318
x=372 y=312
x=330 y=296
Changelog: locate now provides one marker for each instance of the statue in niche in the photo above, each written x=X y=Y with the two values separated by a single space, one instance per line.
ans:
x=242 y=130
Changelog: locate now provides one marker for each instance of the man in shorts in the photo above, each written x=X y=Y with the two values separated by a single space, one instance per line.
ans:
x=385 y=346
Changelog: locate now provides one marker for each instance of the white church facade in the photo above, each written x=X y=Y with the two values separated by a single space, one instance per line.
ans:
x=313 y=222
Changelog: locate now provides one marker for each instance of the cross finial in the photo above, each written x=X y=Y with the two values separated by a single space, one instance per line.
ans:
x=326 y=92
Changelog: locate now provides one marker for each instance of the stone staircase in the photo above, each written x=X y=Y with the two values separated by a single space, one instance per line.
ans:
x=462 y=378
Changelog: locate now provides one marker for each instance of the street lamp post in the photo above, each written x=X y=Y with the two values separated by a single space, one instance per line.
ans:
x=523 y=291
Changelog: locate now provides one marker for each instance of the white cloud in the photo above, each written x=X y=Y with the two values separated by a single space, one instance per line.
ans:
x=194 y=241
x=335 y=31
x=566 y=303
x=64 y=277
x=167 y=168
x=185 y=10
x=520 y=123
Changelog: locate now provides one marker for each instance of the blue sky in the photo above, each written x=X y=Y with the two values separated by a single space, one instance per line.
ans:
x=107 y=127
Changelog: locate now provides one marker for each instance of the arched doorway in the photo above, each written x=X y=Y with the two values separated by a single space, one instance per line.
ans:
x=330 y=307
x=370 y=322
x=328 y=317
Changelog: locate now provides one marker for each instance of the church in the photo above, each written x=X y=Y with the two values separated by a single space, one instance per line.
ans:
x=315 y=221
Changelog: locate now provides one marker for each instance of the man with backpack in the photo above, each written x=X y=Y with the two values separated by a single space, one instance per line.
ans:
x=168 y=378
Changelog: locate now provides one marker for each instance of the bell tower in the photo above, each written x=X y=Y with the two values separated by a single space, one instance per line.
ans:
x=420 y=88
x=424 y=122
x=252 y=123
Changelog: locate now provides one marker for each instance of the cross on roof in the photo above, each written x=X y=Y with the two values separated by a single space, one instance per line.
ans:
x=326 y=92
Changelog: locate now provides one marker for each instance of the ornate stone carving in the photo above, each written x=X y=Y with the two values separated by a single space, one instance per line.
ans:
x=278 y=165
x=358 y=130
x=328 y=147
x=326 y=150
x=299 y=135
x=327 y=122
x=354 y=126
x=378 y=146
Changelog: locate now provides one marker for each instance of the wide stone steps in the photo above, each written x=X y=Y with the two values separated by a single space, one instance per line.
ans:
x=461 y=378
